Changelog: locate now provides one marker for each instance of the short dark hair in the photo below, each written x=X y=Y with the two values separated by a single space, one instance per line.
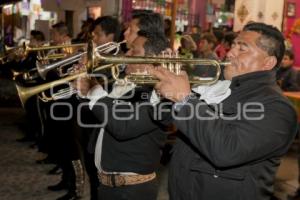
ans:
x=229 y=37
x=219 y=34
x=149 y=21
x=109 y=25
x=156 y=42
x=290 y=54
x=61 y=28
x=37 y=35
x=210 y=38
x=271 y=40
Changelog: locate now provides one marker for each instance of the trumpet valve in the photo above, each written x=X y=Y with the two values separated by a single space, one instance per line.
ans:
x=177 y=68
x=171 y=67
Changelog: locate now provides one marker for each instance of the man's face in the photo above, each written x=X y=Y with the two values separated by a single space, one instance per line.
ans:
x=287 y=62
x=131 y=32
x=195 y=30
x=34 y=42
x=204 y=46
x=99 y=36
x=56 y=37
x=246 y=57
x=137 y=49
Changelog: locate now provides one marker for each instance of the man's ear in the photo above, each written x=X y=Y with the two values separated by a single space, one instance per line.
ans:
x=270 y=62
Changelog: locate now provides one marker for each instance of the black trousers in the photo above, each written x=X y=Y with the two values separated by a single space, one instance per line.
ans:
x=144 y=191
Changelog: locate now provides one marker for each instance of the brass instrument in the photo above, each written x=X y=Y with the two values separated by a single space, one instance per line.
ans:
x=25 y=49
x=172 y=64
x=8 y=51
x=112 y=62
x=43 y=48
x=26 y=92
x=102 y=49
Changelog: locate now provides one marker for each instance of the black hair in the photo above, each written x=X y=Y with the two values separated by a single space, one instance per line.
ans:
x=290 y=54
x=87 y=22
x=61 y=28
x=219 y=34
x=109 y=25
x=210 y=38
x=229 y=37
x=37 y=35
x=149 y=21
x=271 y=40
x=156 y=42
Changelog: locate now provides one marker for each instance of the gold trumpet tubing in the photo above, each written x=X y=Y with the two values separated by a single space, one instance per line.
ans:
x=140 y=79
x=157 y=60
x=105 y=47
x=27 y=92
x=26 y=49
x=115 y=73
x=109 y=47
x=54 y=47
x=44 y=69
x=53 y=56
x=63 y=93
x=43 y=97
x=177 y=68
x=171 y=67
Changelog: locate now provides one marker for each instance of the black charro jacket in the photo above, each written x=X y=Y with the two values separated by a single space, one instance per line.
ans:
x=233 y=159
x=132 y=139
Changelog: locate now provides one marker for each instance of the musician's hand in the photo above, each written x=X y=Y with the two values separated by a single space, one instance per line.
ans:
x=77 y=68
x=83 y=60
x=83 y=85
x=171 y=86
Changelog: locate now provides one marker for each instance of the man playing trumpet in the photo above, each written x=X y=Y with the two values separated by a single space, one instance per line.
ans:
x=232 y=135
x=127 y=151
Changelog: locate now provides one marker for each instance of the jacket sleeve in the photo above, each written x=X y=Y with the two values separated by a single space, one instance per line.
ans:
x=232 y=142
x=124 y=120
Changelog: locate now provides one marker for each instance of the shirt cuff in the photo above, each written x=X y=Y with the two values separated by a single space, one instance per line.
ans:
x=95 y=93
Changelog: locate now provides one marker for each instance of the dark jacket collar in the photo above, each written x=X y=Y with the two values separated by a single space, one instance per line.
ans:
x=254 y=78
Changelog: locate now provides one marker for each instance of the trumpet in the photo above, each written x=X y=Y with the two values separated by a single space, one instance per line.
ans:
x=43 y=48
x=8 y=51
x=102 y=49
x=112 y=63
x=26 y=92
x=25 y=49
x=175 y=65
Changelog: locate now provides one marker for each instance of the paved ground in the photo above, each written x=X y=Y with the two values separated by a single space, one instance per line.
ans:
x=22 y=179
